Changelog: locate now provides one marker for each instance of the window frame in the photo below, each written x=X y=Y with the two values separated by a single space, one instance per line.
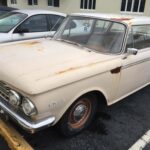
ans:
x=53 y=3
x=33 y=2
x=132 y=8
x=93 y=7
x=13 y=2
x=50 y=5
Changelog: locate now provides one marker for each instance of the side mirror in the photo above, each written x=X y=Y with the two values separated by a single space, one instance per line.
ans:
x=132 y=51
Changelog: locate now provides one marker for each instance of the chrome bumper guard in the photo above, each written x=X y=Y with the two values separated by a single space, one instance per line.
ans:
x=27 y=125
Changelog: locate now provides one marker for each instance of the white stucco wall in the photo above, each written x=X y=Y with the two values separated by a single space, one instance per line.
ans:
x=69 y=6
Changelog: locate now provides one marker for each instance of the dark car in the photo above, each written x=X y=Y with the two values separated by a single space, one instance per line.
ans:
x=4 y=9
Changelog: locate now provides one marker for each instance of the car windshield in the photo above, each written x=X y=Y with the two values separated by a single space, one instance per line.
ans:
x=10 y=20
x=101 y=35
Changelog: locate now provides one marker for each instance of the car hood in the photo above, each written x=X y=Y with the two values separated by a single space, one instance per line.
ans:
x=36 y=66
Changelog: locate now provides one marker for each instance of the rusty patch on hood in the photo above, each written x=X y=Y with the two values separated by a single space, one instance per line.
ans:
x=29 y=43
x=67 y=70
x=113 y=71
x=78 y=67
x=38 y=48
x=73 y=68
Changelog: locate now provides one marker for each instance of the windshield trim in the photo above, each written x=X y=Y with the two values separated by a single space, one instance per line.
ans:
x=26 y=16
x=122 y=49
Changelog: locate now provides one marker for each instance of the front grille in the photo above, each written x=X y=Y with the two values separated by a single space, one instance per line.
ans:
x=4 y=91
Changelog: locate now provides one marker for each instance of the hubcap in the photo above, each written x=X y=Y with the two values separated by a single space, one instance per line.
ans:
x=80 y=113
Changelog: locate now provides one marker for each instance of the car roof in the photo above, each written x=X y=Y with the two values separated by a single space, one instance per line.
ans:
x=128 y=19
x=35 y=12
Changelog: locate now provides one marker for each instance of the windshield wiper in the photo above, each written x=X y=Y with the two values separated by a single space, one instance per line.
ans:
x=70 y=42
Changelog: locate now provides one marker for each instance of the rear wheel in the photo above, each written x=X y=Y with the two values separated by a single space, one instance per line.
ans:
x=79 y=116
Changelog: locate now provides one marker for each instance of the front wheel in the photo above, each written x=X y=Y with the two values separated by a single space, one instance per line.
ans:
x=79 y=116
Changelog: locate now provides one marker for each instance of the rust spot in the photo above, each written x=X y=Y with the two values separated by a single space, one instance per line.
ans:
x=33 y=43
x=75 y=68
x=67 y=70
x=40 y=50
x=72 y=69
x=116 y=70
x=121 y=19
x=29 y=43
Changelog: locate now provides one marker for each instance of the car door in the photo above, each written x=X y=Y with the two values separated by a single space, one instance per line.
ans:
x=54 y=23
x=34 y=27
x=135 y=71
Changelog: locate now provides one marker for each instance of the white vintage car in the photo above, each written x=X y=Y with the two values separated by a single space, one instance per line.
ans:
x=92 y=59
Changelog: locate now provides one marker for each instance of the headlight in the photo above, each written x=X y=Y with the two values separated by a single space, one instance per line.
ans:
x=14 y=98
x=28 y=107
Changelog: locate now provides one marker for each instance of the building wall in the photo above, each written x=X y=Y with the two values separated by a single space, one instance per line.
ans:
x=147 y=8
x=65 y=5
x=69 y=6
x=104 y=6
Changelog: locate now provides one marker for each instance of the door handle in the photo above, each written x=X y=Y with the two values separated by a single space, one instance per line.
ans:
x=116 y=70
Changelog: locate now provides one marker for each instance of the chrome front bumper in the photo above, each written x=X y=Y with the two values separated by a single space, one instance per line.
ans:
x=27 y=125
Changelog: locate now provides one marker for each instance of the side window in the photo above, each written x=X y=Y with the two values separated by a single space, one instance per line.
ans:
x=36 y=23
x=139 y=37
x=55 y=22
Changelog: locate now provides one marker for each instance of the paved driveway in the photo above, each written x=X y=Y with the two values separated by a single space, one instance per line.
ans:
x=116 y=128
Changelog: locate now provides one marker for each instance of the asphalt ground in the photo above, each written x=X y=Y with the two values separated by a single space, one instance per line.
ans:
x=117 y=127
x=3 y=144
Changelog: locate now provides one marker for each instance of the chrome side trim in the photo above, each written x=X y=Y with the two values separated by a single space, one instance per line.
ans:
x=135 y=63
x=27 y=125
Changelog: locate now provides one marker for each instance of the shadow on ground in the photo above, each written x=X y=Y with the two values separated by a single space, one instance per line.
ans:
x=3 y=144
